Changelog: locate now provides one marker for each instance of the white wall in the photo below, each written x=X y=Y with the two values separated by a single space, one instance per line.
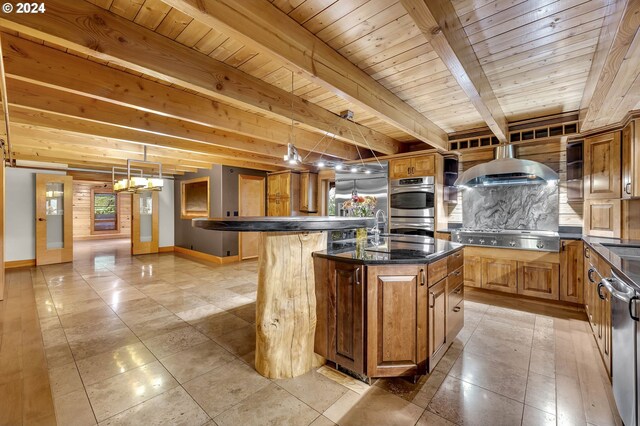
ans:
x=20 y=213
x=166 y=220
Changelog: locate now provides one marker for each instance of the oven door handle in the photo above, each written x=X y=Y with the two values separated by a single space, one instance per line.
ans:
x=425 y=226
x=414 y=188
x=625 y=296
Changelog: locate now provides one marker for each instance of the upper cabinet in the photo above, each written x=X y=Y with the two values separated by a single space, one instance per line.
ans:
x=602 y=166
x=283 y=193
x=308 y=192
x=423 y=165
x=631 y=160
x=575 y=165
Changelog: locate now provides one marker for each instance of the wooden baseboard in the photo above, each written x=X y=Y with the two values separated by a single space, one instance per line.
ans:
x=205 y=256
x=101 y=237
x=19 y=263
x=166 y=249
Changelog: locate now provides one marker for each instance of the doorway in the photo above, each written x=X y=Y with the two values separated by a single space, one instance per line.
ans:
x=251 y=196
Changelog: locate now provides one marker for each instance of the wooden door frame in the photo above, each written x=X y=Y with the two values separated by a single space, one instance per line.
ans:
x=64 y=254
x=101 y=190
x=149 y=246
x=262 y=205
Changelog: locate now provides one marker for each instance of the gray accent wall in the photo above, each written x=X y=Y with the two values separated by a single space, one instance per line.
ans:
x=223 y=191
x=534 y=207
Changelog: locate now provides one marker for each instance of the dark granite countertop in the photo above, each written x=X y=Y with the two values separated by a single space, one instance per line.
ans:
x=392 y=249
x=283 y=223
x=627 y=269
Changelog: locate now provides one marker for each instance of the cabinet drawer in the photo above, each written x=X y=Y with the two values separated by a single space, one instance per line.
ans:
x=455 y=261
x=456 y=295
x=455 y=320
x=437 y=271
x=456 y=277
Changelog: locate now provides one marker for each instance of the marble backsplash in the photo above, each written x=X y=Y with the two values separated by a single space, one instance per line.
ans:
x=533 y=207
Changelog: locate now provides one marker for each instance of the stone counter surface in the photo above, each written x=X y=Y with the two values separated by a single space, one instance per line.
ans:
x=283 y=223
x=626 y=268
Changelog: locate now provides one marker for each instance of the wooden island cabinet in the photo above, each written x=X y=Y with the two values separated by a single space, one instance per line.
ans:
x=388 y=320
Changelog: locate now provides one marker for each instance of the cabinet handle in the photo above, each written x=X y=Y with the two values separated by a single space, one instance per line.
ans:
x=586 y=252
x=564 y=245
x=600 y=295
x=589 y=275
x=423 y=278
x=458 y=291
x=357 y=276
x=456 y=309
x=457 y=273
x=458 y=254
x=432 y=299
x=627 y=188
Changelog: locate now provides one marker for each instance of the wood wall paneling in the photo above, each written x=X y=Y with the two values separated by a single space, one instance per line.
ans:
x=82 y=211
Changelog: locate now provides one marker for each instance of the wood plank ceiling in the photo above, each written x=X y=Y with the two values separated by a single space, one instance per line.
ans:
x=211 y=82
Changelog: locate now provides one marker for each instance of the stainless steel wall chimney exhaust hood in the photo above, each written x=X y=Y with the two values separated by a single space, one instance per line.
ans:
x=507 y=170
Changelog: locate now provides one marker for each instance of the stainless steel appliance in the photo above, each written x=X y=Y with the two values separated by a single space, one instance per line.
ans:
x=505 y=238
x=374 y=183
x=625 y=351
x=412 y=206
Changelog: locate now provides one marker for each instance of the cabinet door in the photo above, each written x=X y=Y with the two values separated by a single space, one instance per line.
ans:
x=424 y=165
x=628 y=161
x=437 y=322
x=347 y=346
x=399 y=168
x=602 y=166
x=539 y=279
x=273 y=207
x=590 y=283
x=571 y=270
x=273 y=186
x=499 y=274
x=455 y=309
x=473 y=271
x=603 y=335
x=396 y=320
x=602 y=218
x=308 y=192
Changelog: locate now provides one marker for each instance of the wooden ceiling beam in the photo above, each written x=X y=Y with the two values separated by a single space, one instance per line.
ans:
x=45 y=66
x=96 y=32
x=165 y=131
x=614 y=69
x=263 y=26
x=441 y=27
x=53 y=120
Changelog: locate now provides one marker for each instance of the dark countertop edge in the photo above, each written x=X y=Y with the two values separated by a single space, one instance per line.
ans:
x=595 y=244
x=418 y=261
x=283 y=224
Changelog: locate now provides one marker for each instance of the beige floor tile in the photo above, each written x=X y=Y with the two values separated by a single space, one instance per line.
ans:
x=541 y=393
x=174 y=407
x=449 y=358
x=461 y=402
x=201 y=313
x=156 y=326
x=314 y=389
x=177 y=301
x=196 y=360
x=65 y=379
x=108 y=364
x=116 y=394
x=271 y=405
x=490 y=347
x=224 y=387
x=512 y=316
x=376 y=406
x=114 y=297
x=246 y=312
x=73 y=409
x=492 y=375
x=322 y=421
x=342 y=379
x=93 y=345
x=239 y=342
x=508 y=331
x=543 y=362
x=569 y=408
x=430 y=419
x=95 y=327
x=535 y=417
x=175 y=341
x=220 y=324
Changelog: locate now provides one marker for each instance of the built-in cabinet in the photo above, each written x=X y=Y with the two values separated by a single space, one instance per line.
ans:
x=598 y=303
x=283 y=193
x=571 y=270
x=308 y=192
x=422 y=165
x=388 y=320
x=575 y=170
x=631 y=160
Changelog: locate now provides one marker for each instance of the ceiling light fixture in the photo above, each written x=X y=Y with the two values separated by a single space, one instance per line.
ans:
x=137 y=184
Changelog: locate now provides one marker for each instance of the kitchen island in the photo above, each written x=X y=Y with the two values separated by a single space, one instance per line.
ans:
x=391 y=307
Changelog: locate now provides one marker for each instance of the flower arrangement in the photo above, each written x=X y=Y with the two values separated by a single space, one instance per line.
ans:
x=360 y=206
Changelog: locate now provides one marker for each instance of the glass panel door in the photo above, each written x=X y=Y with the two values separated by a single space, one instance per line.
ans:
x=54 y=230
x=144 y=226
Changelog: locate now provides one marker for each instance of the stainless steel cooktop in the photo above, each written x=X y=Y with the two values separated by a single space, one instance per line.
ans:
x=508 y=238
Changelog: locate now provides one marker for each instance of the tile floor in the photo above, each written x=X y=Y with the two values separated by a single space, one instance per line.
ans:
x=163 y=339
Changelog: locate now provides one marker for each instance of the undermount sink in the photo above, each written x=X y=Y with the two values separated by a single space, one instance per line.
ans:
x=631 y=252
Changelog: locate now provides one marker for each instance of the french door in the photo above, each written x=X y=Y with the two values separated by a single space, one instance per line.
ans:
x=144 y=223
x=54 y=219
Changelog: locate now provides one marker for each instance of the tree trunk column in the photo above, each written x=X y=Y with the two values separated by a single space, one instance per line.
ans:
x=286 y=304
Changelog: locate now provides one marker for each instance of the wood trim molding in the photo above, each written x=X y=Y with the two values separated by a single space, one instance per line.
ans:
x=166 y=249
x=117 y=236
x=205 y=256
x=19 y=263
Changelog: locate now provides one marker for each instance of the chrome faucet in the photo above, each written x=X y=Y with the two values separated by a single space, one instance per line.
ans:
x=376 y=229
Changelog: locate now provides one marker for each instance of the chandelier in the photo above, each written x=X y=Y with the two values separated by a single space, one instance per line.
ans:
x=137 y=184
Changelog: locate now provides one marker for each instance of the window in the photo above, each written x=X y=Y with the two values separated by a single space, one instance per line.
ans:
x=105 y=212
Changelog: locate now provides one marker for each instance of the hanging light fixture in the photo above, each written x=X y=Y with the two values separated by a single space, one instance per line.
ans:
x=136 y=184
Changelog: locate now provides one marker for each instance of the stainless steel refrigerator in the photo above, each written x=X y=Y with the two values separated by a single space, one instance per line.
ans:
x=375 y=183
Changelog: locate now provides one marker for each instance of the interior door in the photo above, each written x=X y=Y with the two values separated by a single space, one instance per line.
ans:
x=54 y=219
x=144 y=222
x=251 y=203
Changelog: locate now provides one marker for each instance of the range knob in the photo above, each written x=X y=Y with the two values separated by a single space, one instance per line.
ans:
x=481 y=241
x=494 y=242
x=470 y=240
x=512 y=243
x=459 y=238
x=540 y=244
